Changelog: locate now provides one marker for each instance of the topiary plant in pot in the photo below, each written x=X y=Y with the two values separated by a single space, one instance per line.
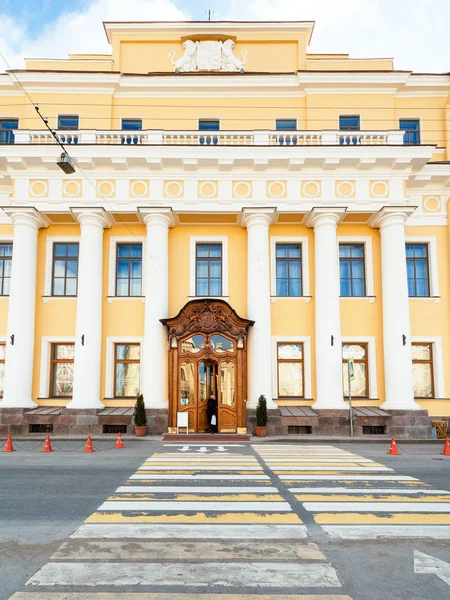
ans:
x=140 y=417
x=261 y=417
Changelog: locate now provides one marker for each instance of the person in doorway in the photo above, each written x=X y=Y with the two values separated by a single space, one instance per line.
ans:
x=212 y=413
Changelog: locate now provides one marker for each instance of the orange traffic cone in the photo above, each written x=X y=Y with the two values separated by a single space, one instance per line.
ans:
x=47 y=445
x=446 y=450
x=393 y=449
x=9 y=445
x=89 y=447
x=119 y=441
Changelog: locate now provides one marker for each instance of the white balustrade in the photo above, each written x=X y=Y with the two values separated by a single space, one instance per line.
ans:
x=214 y=138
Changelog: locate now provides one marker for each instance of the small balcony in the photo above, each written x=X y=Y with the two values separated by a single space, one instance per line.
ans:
x=154 y=137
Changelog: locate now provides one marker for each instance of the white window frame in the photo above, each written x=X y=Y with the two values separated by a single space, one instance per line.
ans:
x=131 y=119
x=371 y=359
x=5 y=239
x=412 y=119
x=433 y=269
x=304 y=242
x=307 y=381
x=208 y=239
x=355 y=114
x=438 y=364
x=46 y=343
x=3 y=341
x=109 y=376
x=368 y=264
x=65 y=114
x=50 y=241
x=113 y=241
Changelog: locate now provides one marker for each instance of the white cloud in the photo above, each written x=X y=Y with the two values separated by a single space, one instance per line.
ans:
x=413 y=32
x=81 y=31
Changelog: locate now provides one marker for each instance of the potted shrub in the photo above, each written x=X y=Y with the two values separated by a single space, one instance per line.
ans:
x=261 y=417
x=140 y=417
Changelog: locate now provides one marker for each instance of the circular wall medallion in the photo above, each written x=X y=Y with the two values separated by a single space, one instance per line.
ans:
x=139 y=189
x=242 y=189
x=207 y=189
x=173 y=189
x=277 y=189
x=432 y=204
x=345 y=189
x=38 y=189
x=379 y=189
x=72 y=189
x=311 y=189
x=106 y=189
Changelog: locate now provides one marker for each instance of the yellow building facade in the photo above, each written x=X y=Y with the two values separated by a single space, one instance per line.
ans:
x=243 y=218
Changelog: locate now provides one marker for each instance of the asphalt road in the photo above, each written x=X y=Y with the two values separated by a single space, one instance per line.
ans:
x=44 y=498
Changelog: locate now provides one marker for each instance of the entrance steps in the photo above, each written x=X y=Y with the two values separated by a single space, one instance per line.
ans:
x=206 y=437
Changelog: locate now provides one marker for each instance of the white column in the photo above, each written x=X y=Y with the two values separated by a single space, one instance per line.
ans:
x=156 y=283
x=88 y=341
x=21 y=313
x=259 y=379
x=329 y=391
x=396 y=322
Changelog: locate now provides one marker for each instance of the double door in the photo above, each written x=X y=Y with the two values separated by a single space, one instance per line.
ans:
x=200 y=378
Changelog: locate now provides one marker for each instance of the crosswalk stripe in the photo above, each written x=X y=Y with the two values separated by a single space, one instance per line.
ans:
x=200 y=468
x=196 y=489
x=348 y=477
x=180 y=550
x=196 y=497
x=388 y=507
x=168 y=596
x=200 y=517
x=218 y=460
x=349 y=490
x=330 y=468
x=391 y=519
x=190 y=477
x=243 y=575
x=371 y=532
x=354 y=500
x=158 y=506
x=181 y=531
x=318 y=460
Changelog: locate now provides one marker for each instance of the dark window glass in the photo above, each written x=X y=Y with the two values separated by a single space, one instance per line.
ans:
x=131 y=124
x=5 y=268
x=129 y=270
x=68 y=122
x=411 y=127
x=349 y=123
x=61 y=370
x=208 y=270
x=7 y=127
x=65 y=269
x=352 y=271
x=417 y=269
x=289 y=269
x=209 y=125
x=286 y=124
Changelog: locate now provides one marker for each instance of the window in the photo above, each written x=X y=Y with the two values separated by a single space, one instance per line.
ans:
x=290 y=370
x=5 y=268
x=208 y=270
x=286 y=124
x=359 y=353
x=68 y=122
x=61 y=370
x=129 y=270
x=418 y=271
x=351 y=267
x=127 y=367
x=289 y=269
x=131 y=124
x=65 y=269
x=422 y=357
x=7 y=127
x=2 y=368
x=411 y=127
x=349 y=123
x=209 y=125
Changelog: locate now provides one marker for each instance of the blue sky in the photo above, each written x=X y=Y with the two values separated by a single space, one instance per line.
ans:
x=414 y=32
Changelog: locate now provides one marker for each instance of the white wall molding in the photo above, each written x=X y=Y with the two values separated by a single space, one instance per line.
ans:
x=44 y=379
x=304 y=242
x=49 y=243
x=109 y=371
x=206 y=239
x=307 y=379
x=438 y=362
x=113 y=241
x=368 y=258
x=430 y=240
x=371 y=359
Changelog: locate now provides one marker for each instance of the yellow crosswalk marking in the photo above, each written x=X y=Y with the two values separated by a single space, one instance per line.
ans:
x=195 y=518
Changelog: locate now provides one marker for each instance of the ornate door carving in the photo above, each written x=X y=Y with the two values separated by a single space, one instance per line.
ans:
x=207 y=354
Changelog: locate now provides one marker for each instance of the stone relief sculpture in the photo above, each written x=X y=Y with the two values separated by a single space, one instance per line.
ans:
x=208 y=56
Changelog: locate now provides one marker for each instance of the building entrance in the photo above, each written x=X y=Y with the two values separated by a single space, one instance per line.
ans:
x=208 y=345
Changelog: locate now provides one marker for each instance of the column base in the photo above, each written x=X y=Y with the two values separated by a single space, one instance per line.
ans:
x=5 y=403
x=411 y=406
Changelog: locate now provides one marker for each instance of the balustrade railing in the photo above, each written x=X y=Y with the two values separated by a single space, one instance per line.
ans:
x=154 y=137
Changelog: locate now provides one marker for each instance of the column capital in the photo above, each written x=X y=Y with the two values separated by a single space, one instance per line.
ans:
x=98 y=217
x=324 y=215
x=156 y=216
x=258 y=216
x=391 y=215
x=26 y=215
